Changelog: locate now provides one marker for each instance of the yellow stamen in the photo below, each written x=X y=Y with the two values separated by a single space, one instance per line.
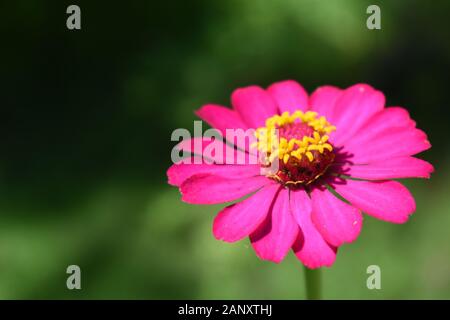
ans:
x=283 y=149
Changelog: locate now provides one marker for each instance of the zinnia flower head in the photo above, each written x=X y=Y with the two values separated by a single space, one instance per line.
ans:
x=334 y=153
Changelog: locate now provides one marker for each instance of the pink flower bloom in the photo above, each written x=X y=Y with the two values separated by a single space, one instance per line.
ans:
x=333 y=143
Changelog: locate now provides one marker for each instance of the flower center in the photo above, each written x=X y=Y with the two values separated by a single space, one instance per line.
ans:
x=298 y=142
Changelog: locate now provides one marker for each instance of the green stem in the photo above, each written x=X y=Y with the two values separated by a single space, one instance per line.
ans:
x=313 y=283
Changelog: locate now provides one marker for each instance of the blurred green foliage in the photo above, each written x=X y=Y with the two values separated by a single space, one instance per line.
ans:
x=85 y=138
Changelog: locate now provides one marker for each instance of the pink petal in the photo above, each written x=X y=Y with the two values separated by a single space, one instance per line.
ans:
x=395 y=142
x=336 y=221
x=225 y=153
x=275 y=236
x=239 y=220
x=209 y=189
x=385 y=200
x=323 y=100
x=386 y=119
x=404 y=167
x=221 y=118
x=310 y=247
x=353 y=109
x=289 y=95
x=254 y=104
x=178 y=173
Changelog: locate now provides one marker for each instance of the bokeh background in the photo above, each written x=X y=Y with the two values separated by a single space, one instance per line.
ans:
x=85 y=125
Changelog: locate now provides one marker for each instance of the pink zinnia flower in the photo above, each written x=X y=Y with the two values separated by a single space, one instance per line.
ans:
x=336 y=154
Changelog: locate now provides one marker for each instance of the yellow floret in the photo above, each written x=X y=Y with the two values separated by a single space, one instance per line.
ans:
x=268 y=142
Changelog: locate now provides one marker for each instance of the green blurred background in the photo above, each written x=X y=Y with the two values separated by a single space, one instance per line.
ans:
x=85 y=125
